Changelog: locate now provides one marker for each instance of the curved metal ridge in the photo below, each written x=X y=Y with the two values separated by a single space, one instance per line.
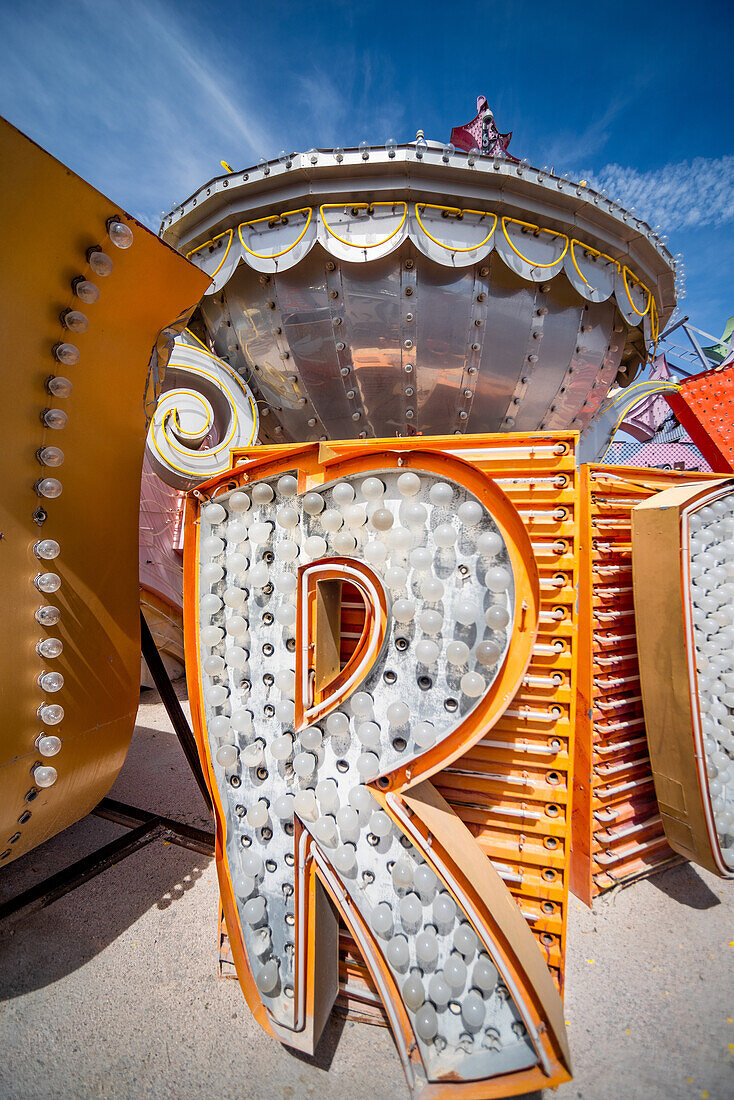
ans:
x=515 y=190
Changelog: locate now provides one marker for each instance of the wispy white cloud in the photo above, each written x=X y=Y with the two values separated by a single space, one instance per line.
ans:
x=677 y=196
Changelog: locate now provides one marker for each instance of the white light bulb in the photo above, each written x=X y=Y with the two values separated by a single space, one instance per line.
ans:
x=372 y=488
x=285 y=711
x=425 y=881
x=473 y=1010
x=212 y=545
x=252 y=865
x=213 y=664
x=337 y=724
x=473 y=685
x=382 y=919
x=397 y=952
x=398 y=713
x=426 y=651
x=441 y=494
x=239 y=503
x=282 y=747
x=470 y=513
x=253 y=756
x=454 y=972
x=120 y=234
x=445 y=536
x=47 y=582
x=286 y=583
x=259 y=575
x=484 y=974
x=211 y=572
x=305 y=805
x=438 y=990
x=402 y=873
x=465 y=940
x=331 y=520
x=242 y=720
x=287 y=517
x=50 y=647
x=368 y=766
x=430 y=621
x=382 y=519
x=395 y=576
x=497 y=617
x=344 y=859
x=487 y=653
x=400 y=540
x=324 y=830
x=444 y=912
x=368 y=734
x=286 y=615
x=355 y=515
x=347 y=819
x=361 y=800
x=219 y=726
x=48 y=615
x=375 y=554
x=283 y=806
x=48 y=744
x=421 y=558
x=498 y=579
x=258 y=815
x=260 y=533
x=380 y=824
x=227 y=756
x=457 y=653
x=344 y=543
x=465 y=612
x=432 y=589
x=415 y=513
x=214 y=513
x=304 y=764
x=424 y=734
x=413 y=992
x=362 y=703
x=426 y=1022
x=44 y=775
x=237 y=626
x=426 y=945
x=342 y=494
x=47 y=549
x=489 y=544
x=287 y=485
x=262 y=493
x=235 y=657
x=327 y=793
x=315 y=546
x=403 y=610
x=49 y=487
x=313 y=504
x=408 y=484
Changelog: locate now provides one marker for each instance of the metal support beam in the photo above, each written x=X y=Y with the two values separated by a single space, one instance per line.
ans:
x=173 y=707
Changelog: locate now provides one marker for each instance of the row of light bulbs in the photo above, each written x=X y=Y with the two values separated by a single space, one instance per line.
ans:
x=521 y=168
x=711 y=568
x=50 y=456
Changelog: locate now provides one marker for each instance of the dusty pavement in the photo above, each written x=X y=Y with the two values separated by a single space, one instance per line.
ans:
x=112 y=991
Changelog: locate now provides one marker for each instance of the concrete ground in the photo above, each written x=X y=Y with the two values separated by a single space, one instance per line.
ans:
x=112 y=991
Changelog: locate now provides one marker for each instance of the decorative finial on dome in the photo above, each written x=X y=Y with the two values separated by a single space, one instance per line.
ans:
x=482 y=133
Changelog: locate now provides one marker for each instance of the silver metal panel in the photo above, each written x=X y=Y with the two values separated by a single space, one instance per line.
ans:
x=511 y=306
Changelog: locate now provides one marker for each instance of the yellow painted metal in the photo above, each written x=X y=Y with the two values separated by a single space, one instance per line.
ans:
x=49 y=219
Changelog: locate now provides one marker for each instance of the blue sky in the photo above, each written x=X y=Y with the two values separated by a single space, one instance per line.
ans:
x=143 y=99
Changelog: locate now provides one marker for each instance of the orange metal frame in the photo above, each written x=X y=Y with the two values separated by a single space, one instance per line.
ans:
x=617 y=832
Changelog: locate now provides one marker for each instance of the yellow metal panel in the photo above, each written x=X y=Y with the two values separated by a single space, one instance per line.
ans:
x=49 y=219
